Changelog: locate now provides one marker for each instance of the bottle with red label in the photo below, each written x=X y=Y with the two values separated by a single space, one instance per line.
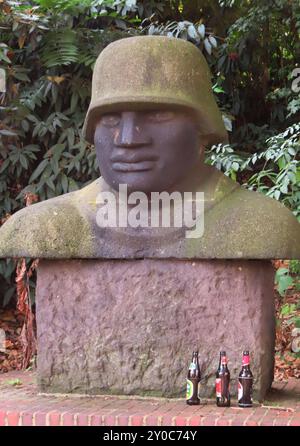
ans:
x=222 y=382
x=193 y=381
x=245 y=383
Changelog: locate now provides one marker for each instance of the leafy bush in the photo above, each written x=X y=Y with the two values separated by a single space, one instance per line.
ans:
x=274 y=171
x=285 y=279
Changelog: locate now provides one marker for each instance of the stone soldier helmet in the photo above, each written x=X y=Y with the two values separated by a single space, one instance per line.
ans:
x=150 y=71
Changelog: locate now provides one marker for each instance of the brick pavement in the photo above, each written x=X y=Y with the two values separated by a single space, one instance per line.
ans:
x=22 y=405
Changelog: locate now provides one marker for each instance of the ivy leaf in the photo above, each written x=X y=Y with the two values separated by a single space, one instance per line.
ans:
x=283 y=280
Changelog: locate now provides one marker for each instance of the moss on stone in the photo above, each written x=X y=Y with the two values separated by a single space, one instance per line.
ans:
x=247 y=224
x=156 y=70
x=238 y=224
x=54 y=229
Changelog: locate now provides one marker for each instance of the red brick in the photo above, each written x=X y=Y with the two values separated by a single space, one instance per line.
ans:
x=26 y=419
x=206 y=409
x=13 y=418
x=195 y=421
x=82 y=419
x=96 y=420
x=136 y=420
x=68 y=419
x=267 y=421
x=295 y=421
x=2 y=418
x=180 y=421
x=209 y=421
x=223 y=422
x=167 y=420
x=29 y=408
x=109 y=420
x=53 y=418
x=284 y=413
x=123 y=420
x=281 y=421
x=151 y=420
x=190 y=411
x=250 y=423
x=238 y=421
x=259 y=412
x=39 y=418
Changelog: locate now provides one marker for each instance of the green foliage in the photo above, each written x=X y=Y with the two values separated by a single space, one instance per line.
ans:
x=285 y=279
x=48 y=48
x=274 y=171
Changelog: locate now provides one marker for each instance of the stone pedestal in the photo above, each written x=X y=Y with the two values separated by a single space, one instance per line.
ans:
x=130 y=326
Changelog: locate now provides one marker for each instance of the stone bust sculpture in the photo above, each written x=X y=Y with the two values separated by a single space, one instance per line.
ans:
x=152 y=113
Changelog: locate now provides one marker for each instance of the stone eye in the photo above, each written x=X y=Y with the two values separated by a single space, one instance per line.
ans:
x=160 y=115
x=110 y=119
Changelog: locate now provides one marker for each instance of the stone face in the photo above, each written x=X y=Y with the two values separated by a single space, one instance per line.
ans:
x=129 y=327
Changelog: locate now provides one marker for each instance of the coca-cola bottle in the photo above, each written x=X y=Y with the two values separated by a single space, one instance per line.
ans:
x=193 y=380
x=222 y=382
x=245 y=383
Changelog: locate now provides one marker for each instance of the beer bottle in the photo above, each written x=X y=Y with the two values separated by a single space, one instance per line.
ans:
x=193 y=380
x=245 y=383
x=222 y=382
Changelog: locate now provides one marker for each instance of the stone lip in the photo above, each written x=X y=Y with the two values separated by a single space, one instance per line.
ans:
x=130 y=326
x=238 y=223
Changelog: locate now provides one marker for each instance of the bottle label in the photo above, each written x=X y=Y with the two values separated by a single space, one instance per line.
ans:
x=192 y=366
x=246 y=360
x=240 y=391
x=218 y=388
x=189 y=389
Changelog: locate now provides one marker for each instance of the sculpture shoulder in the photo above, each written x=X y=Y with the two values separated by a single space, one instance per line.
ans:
x=248 y=224
x=58 y=227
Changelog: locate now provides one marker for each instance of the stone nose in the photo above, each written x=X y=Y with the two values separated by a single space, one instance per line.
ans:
x=131 y=132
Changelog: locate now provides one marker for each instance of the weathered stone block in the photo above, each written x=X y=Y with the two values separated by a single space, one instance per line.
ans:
x=129 y=326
